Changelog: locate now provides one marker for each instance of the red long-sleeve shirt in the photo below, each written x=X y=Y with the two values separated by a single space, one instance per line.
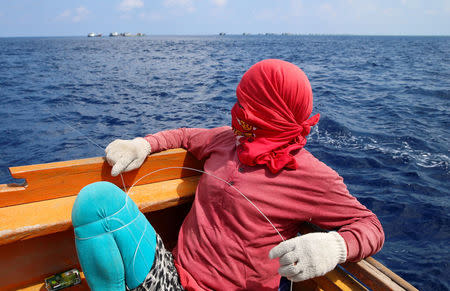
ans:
x=224 y=241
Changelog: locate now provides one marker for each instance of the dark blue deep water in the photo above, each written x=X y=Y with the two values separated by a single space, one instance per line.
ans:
x=384 y=101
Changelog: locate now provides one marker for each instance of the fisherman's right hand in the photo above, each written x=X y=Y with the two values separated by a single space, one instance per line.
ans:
x=127 y=155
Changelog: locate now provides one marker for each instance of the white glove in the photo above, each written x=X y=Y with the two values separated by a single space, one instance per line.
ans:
x=127 y=155
x=310 y=255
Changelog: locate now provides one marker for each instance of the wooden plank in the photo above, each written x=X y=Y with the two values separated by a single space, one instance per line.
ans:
x=376 y=276
x=335 y=280
x=308 y=285
x=323 y=283
x=62 y=179
x=31 y=261
x=24 y=221
x=373 y=278
x=344 y=281
x=394 y=277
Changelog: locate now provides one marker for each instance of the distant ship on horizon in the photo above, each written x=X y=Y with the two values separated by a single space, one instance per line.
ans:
x=115 y=34
x=93 y=34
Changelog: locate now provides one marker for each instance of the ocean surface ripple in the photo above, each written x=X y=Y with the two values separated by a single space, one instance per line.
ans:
x=384 y=102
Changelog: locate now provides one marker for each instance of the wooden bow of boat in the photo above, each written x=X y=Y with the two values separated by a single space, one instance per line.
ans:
x=36 y=234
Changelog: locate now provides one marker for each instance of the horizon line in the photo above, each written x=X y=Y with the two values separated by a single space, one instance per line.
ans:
x=233 y=34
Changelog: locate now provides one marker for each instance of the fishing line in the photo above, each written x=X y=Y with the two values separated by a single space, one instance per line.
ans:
x=83 y=135
x=148 y=174
x=192 y=169
x=186 y=168
x=74 y=129
x=110 y=217
x=123 y=183
x=218 y=178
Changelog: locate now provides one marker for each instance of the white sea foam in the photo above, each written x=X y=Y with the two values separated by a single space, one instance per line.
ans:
x=420 y=157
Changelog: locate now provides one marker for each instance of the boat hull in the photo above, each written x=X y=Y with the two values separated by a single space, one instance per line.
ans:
x=36 y=235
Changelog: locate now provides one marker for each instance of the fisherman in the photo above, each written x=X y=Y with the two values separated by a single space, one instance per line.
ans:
x=225 y=243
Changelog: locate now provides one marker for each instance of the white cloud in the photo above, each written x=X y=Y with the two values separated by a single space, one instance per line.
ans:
x=80 y=14
x=127 y=5
x=75 y=15
x=219 y=3
x=186 y=5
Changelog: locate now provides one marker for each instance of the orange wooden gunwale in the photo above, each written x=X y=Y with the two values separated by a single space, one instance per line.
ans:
x=61 y=179
x=36 y=236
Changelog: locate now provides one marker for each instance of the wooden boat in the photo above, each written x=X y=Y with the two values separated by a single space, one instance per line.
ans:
x=36 y=235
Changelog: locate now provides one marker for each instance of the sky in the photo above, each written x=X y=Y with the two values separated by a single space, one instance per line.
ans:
x=205 y=17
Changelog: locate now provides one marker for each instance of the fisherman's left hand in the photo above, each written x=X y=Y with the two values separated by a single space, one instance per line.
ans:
x=310 y=255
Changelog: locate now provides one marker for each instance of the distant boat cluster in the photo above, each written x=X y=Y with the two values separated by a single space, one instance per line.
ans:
x=114 y=34
x=267 y=33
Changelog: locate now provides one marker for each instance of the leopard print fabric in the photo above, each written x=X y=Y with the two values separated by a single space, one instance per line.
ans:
x=163 y=275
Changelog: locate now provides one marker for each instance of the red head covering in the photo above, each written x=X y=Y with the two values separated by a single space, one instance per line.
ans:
x=274 y=102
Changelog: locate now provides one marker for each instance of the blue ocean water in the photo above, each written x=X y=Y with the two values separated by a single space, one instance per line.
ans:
x=384 y=102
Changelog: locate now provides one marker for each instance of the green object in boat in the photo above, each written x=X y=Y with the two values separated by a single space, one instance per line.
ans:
x=63 y=280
